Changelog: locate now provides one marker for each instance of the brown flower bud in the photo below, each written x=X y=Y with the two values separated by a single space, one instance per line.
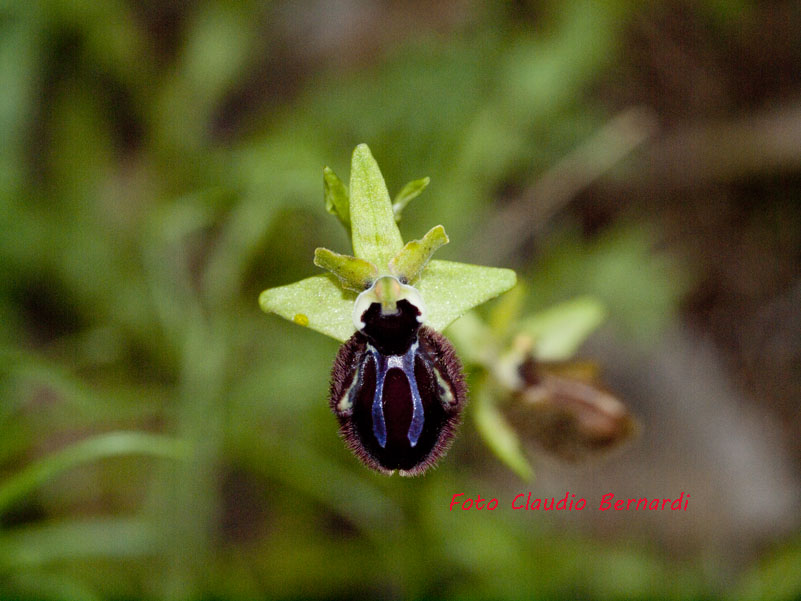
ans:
x=566 y=413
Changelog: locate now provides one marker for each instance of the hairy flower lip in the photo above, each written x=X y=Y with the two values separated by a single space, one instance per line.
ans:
x=353 y=374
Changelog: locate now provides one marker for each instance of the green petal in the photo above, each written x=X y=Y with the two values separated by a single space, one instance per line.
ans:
x=559 y=331
x=337 y=201
x=354 y=274
x=451 y=289
x=375 y=234
x=413 y=257
x=498 y=434
x=317 y=302
x=408 y=193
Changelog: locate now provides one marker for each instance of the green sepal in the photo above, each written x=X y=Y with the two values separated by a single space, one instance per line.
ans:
x=318 y=302
x=354 y=274
x=413 y=257
x=451 y=289
x=337 y=200
x=559 y=331
x=408 y=193
x=500 y=437
x=374 y=233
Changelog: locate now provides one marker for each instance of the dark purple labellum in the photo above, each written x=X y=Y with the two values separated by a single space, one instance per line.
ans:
x=397 y=390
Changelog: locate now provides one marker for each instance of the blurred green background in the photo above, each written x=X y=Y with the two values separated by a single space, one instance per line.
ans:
x=161 y=164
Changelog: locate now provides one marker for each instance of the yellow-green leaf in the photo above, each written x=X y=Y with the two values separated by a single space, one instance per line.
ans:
x=451 y=289
x=353 y=273
x=558 y=331
x=374 y=233
x=318 y=302
x=413 y=257
x=408 y=193
x=498 y=434
x=337 y=201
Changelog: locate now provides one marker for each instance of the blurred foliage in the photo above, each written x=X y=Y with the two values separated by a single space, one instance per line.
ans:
x=151 y=161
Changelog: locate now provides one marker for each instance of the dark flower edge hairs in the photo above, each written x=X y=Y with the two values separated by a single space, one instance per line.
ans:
x=397 y=387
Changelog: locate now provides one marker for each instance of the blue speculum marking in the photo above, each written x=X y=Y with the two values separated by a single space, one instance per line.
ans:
x=416 y=427
x=379 y=426
x=405 y=363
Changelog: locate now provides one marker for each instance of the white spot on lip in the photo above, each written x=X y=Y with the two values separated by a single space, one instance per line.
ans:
x=395 y=361
x=345 y=405
x=448 y=398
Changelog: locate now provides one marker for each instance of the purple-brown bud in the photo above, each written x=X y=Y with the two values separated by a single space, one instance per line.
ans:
x=566 y=416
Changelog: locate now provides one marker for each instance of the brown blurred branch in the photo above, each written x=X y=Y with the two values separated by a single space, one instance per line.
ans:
x=512 y=227
x=763 y=143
